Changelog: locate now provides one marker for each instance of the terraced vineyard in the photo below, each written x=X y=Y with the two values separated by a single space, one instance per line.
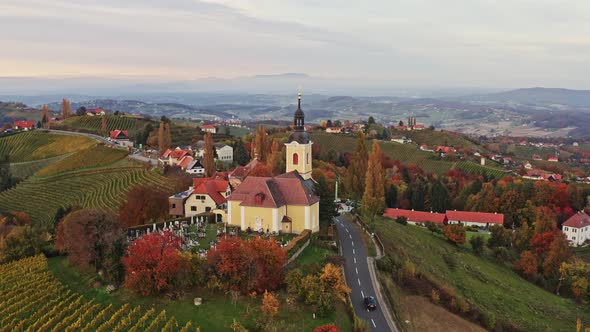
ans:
x=94 y=188
x=25 y=169
x=34 y=145
x=94 y=123
x=97 y=156
x=31 y=299
x=473 y=168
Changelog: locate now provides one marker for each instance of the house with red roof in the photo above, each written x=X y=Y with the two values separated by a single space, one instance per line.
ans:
x=445 y=149
x=209 y=195
x=416 y=217
x=95 y=112
x=537 y=157
x=23 y=125
x=577 y=228
x=553 y=159
x=334 y=130
x=174 y=157
x=480 y=219
x=119 y=134
x=209 y=128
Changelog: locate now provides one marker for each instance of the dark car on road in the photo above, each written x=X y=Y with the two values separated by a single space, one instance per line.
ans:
x=370 y=303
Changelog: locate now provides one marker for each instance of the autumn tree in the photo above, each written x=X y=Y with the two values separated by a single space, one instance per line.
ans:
x=65 y=108
x=455 y=233
x=270 y=305
x=276 y=159
x=92 y=238
x=143 y=204
x=374 y=195
x=260 y=144
x=577 y=274
x=326 y=328
x=45 y=117
x=559 y=252
x=18 y=237
x=164 y=139
x=152 y=263
x=261 y=170
x=208 y=156
x=545 y=220
x=253 y=265
x=528 y=265
x=331 y=278
x=356 y=174
x=500 y=237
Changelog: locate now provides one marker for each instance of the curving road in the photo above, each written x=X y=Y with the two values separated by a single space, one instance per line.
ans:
x=358 y=277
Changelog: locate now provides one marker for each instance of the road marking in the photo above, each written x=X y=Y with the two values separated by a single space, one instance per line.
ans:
x=372 y=321
x=347 y=230
x=354 y=260
x=353 y=252
x=359 y=280
x=357 y=270
x=350 y=236
x=363 y=294
x=352 y=243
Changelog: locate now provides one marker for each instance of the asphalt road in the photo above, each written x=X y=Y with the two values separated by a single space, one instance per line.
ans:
x=356 y=270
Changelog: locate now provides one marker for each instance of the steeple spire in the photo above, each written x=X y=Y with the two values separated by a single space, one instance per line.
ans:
x=299 y=118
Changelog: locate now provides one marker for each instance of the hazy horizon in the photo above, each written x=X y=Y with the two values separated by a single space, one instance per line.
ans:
x=458 y=43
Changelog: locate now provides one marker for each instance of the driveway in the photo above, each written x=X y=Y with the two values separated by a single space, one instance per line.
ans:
x=358 y=278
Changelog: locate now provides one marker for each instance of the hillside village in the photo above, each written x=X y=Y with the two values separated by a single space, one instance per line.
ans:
x=264 y=213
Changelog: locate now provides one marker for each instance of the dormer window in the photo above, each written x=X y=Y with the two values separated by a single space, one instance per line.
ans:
x=259 y=198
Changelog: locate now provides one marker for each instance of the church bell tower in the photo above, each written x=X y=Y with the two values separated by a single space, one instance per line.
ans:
x=299 y=146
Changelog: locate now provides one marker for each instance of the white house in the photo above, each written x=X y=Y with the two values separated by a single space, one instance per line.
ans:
x=195 y=167
x=577 y=228
x=480 y=219
x=224 y=152
x=209 y=128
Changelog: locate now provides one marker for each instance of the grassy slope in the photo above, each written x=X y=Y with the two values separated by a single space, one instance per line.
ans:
x=405 y=153
x=583 y=253
x=35 y=145
x=93 y=124
x=485 y=284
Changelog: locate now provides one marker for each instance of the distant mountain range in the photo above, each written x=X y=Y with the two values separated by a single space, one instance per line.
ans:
x=538 y=96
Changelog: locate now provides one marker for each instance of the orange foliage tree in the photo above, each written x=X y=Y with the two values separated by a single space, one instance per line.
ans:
x=270 y=305
x=326 y=328
x=528 y=265
x=143 y=204
x=455 y=234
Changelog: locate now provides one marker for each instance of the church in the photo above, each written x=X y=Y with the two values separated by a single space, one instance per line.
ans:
x=285 y=203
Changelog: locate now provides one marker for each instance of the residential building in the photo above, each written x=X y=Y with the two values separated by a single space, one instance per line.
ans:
x=537 y=157
x=553 y=159
x=174 y=157
x=224 y=152
x=577 y=228
x=285 y=203
x=480 y=219
x=176 y=203
x=416 y=217
x=95 y=111
x=195 y=167
x=121 y=137
x=402 y=140
x=23 y=125
x=209 y=128
x=209 y=196
x=334 y=130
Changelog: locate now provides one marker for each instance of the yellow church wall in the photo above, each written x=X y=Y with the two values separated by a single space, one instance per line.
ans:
x=234 y=213
x=257 y=218
x=304 y=152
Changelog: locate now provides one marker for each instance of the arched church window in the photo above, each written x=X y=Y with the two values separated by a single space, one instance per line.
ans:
x=295 y=159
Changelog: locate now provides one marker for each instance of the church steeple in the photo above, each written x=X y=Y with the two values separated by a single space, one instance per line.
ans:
x=299 y=118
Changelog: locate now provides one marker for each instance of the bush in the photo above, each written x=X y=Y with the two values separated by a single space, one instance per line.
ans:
x=477 y=244
x=489 y=320
x=401 y=220
x=432 y=227
x=435 y=296
x=455 y=234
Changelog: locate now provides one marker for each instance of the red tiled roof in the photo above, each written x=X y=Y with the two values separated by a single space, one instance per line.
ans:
x=24 y=124
x=178 y=154
x=419 y=126
x=95 y=110
x=166 y=154
x=115 y=133
x=186 y=160
x=444 y=149
x=578 y=220
x=208 y=126
x=211 y=187
x=479 y=217
x=273 y=192
x=416 y=216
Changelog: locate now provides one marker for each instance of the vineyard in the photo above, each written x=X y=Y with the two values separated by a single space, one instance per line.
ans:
x=34 y=145
x=93 y=188
x=97 y=156
x=25 y=169
x=31 y=299
x=93 y=124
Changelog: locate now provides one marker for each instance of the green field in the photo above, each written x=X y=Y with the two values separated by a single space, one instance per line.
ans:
x=437 y=137
x=103 y=188
x=486 y=285
x=37 y=144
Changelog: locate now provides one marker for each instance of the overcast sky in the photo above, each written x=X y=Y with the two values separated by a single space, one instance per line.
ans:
x=483 y=43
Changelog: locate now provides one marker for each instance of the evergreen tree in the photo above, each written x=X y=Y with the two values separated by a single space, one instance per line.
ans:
x=391 y=196
x=374 y=196
x=45 y=116
x=208 y=158
x=371 y=120
x=440 y=197
x=240 y=153
x=355 y=176
x=327 y=205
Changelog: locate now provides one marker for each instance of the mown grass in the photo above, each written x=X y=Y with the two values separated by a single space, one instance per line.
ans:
x=583 y=253
x=37 y=144
x=491 y=287
x=97 y=156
